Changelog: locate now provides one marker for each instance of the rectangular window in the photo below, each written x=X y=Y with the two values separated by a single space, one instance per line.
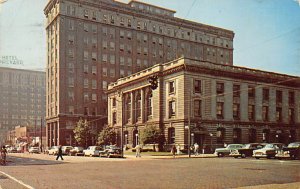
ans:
x=94 y=84
x=112 y=59
x=265 y=94
x=236 y=90
x=197 y=86
x=104 y=57
x=71 y=109
x=104 y=72
x=85 y=27
x=278 y=96
x=172 y=107
x=94 y=56
x=171 y=87
x=86 y=83
x=114 y=102
x=112 y=73
x=220 y=110
x=291 y=115
x=114 y=118
x=236 y=111
x=94 y=97
x=251 y=92
x=278 y=114
x=85 y=97
x=251 y=112
x=85 y=68
x=104 y=84
x=122 y=60
x=291 y=97
x=197 y=108
x=85 y=55
x=265 y=113
x=220 y=88
x=94 y=70
x=71 y=82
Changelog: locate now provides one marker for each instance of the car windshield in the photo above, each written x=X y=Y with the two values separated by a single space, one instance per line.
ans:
x=294 y=145
x=269 y=146
x=247 y=146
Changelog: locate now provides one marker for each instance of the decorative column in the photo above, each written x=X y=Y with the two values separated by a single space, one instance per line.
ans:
x=132 y=108
x=143 y=105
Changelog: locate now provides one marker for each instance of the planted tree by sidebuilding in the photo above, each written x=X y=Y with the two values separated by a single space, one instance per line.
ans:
x=82 y=132
x=151 y=134
x=107 y=136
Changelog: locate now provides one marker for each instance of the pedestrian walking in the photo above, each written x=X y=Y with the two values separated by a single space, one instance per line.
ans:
x=59 y=153
x=138 y=151
x=196 y=149
x=3 y=155
x=173 y=151
x=178 y=149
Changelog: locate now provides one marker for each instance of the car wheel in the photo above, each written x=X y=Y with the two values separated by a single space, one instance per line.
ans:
x=220 y=155
x=256 y=157
x=235 y=157
x=243 y=155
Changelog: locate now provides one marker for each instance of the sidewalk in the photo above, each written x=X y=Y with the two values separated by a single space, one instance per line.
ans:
x=147 y=156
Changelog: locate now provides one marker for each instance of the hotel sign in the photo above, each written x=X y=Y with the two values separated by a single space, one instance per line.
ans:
x=10 y=60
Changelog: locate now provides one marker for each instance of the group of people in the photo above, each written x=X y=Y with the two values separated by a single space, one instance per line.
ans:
x=3 y=155
x=174 y=149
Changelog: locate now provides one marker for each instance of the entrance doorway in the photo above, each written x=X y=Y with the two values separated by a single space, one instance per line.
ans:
x=199 y=139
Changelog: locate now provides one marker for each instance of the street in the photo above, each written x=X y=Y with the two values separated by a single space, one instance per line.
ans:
x=42 y=171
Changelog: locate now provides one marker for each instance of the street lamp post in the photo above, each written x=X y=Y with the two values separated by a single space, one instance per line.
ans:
x=211 y=135
x=136 y=138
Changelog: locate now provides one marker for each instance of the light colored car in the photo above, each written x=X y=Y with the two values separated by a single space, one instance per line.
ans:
x=34 y=150
x=268 y=151
x=66 y=149
x=92 y=151
x=76 y=151
x=221 y=152
x=53 y=150
x=292 y=151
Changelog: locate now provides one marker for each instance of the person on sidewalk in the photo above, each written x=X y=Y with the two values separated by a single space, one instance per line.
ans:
x=196 y=149
x=138 y=151
x=178 y=149
x=59 y=153
x=3 y=155
x=173 y=151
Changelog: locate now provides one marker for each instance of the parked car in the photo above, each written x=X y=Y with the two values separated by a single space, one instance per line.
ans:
x=12 y=150
x=220 y=152
x=76 y=151
x=111 y=151
x=268 y=151
x=291 y=151
x=34 y=150
x=53 y=150
x=66 y=149
x=92 y=151
x=246 y=151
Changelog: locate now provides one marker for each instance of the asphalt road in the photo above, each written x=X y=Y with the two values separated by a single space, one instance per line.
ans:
x=40 y=171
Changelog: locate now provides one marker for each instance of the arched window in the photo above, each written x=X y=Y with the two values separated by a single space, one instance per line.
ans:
x=220 y=134
x=252 y=135
x=149 y=104
x=237 y=135
x=138 y=106
x=171 y=135
x=127 y=108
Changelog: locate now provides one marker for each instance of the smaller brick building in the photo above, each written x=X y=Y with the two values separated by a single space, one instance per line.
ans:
x=221 y=104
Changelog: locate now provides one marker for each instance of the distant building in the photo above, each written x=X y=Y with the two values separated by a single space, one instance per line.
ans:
x=93 y=43
x=222 y=104
x=22 y=98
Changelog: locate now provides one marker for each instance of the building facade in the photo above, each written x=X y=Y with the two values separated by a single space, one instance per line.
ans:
x=93 y=43
x=216 y=103
x=22 y=98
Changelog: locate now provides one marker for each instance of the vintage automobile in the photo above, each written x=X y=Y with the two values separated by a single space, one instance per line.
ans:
x=92 y=151
x=76 y=151
x=34 y=150
x=268 y=151
x=221 y=152
x=292 y=151
x=111 y=151
x=53 y=150
x=246 y=151
x=66 y=149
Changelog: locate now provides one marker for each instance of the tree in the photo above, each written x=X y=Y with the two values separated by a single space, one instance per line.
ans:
x=82 y=132
x=151 y=134
x=107 y=136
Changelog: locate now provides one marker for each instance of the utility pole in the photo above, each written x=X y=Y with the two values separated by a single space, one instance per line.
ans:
x=189 y=126
x=35 y=131
x=122 y=125
x=41 y=137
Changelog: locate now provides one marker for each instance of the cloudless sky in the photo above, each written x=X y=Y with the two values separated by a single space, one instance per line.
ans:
x=267 y=32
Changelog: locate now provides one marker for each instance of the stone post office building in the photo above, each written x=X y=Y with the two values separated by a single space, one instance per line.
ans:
x=223 y=103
